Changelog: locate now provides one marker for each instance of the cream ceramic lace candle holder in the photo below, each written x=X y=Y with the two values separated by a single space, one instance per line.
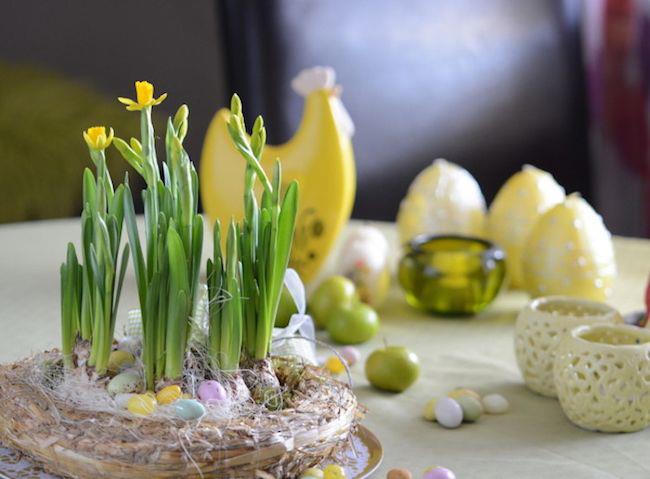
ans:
x=540 y=327
x=602 y=377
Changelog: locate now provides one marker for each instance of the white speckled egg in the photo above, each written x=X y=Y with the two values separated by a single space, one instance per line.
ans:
x=443 y=199
x=570 y=252
x=516 y=208
x=448 y=413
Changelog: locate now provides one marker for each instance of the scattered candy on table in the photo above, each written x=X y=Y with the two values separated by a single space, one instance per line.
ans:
x=188 y=409
x=126 y=382
x=438 y=473
x=399 y=473
x=495 y=404
x=472 y=408
x=429 y=410
x=169 y=394
x=141 y=404
x=312 y=473
x=448 y=412
x=334 y=471
x=334 y=365
x=460 y=392
x=212 y=391
x=350 y=354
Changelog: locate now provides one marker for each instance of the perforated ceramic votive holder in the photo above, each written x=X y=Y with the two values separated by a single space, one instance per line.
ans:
x=540 y=328
x=602 y=377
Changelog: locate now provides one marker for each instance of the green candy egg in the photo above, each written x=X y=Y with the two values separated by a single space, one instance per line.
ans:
x=118 y=360
x=188 y=409
x=472 y=408
x=127 y=382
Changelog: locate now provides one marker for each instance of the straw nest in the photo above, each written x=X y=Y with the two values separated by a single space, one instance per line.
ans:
x=71 y=441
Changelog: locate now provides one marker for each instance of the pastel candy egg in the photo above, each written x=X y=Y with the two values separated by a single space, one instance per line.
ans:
x=495 y=404
x=472 y=408
x=188 y=409
x=169 y=394
x=438 y=473
x=122 y=399
x=312 y=473
x=119 y=360
x=334 y=471
x=334 y=365
x=448 y=413
x=141 y=404
x=399 y=474
x=127 y=382
x=350 y=354
x=429 y=410
x=460 y=392
x=212 y=391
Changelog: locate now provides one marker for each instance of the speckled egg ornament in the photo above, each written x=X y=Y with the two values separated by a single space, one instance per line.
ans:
x=516 y=208
x=443 y=199
x=570 y=252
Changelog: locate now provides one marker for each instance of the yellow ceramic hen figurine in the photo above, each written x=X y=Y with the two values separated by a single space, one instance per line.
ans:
x=319 y=156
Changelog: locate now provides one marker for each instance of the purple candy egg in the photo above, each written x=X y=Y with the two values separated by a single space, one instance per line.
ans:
x=439 y=473
x=212 y=391
x=350 y=354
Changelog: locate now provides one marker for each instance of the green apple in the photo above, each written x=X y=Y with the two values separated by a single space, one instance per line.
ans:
x=286 y=308
x=353 y=324
x=392 y=368
x=332 y=293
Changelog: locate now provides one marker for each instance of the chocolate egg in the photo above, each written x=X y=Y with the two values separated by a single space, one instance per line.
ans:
x=449 y=414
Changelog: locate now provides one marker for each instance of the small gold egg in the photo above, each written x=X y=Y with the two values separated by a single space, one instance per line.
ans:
x=460 y=392
x=169 y=394
x=141 y=404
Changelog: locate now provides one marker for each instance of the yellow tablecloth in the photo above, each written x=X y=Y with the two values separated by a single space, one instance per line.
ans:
x=534 y=440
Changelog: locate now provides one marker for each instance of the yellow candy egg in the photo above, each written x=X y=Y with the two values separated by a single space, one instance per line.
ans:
x=334 y=365
x=515 y=210
x=141 y=404
x=169 y=394
x=429 y=409
x=443 y=199
x=312 y=473
x=570 y=252
x=334 y=471
x=460 y=392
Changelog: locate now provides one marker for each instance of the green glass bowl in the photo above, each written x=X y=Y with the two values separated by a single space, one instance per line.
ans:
x=451 y=275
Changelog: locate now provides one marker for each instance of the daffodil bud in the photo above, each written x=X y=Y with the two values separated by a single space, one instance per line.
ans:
x=96 y=137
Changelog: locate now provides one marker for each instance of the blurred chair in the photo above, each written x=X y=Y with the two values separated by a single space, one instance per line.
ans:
x=489 y=84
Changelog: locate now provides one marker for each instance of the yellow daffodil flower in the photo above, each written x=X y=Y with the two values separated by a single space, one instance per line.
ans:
x=97 y=139
x=144 y=97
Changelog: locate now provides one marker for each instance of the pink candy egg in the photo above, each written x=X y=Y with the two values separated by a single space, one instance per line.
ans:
x=439 y=473
x=212 y=391
x=350 y=354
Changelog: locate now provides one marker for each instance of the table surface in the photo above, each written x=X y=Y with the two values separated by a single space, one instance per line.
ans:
x=534 y=440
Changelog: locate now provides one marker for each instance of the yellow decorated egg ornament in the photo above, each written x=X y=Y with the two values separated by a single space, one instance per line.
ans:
x=515 y=210
x=570 y=252
x=443 y=199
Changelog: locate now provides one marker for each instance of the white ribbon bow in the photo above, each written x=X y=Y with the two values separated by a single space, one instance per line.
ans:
x=300 y=323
